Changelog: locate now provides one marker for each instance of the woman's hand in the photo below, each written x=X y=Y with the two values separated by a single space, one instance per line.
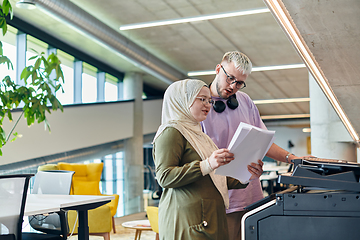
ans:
x=255 y=169
x=220 y=157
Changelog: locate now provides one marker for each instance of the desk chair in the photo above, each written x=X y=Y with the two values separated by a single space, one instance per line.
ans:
x=52 y=182
x=13 y=190
x=153 y=216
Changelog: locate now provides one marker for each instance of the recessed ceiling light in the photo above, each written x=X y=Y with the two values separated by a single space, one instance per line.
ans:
x=278 y=67
x=285 y=116
x=306 y=130
x=254 y=69
x=193 y=19
x=281 y=100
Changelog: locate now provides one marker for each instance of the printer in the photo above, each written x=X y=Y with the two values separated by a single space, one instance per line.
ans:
x=322 y=202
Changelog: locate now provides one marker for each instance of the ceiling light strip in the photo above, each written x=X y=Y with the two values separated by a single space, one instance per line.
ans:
x=201 y=73
x=301 y=47
x=193 y=19
x=254 y=69
x=282 y=100
x=285 y=116
x=278 y=67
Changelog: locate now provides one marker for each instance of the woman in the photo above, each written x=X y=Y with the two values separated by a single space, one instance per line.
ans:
x=193 y=203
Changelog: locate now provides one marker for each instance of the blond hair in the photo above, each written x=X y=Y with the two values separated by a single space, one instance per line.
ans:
x=240 y=60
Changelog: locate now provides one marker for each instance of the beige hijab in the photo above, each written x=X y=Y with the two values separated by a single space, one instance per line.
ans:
x=178 y=99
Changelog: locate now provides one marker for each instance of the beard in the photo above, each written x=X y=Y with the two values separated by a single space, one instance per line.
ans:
x=219 y=92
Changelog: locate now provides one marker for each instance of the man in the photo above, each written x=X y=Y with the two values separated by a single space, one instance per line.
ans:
x=231 y=107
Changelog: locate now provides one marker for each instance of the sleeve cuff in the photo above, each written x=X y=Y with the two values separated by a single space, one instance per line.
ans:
x=205 y=167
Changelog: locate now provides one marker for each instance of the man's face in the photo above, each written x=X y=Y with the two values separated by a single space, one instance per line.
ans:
x=224 y=76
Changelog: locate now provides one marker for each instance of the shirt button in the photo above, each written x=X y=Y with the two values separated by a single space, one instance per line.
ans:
x=205 y=223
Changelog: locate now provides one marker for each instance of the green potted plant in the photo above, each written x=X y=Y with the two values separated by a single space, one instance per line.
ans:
x=37 y=96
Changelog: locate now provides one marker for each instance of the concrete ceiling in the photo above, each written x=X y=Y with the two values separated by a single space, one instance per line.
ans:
x=331 y=31
x=200 y=45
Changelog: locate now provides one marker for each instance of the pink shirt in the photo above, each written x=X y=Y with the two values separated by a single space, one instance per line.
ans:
x=221 y=127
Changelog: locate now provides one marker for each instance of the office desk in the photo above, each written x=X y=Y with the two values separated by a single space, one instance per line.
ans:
x=48 y=203
x=270 y=175
x=277 y=169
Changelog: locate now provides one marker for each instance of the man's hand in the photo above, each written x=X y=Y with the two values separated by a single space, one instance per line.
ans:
x=255 y=169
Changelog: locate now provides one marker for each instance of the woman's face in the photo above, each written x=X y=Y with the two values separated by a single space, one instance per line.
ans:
x=201 y=106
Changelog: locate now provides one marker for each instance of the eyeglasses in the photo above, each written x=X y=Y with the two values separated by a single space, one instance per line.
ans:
x=231 y=80
x=205 y=100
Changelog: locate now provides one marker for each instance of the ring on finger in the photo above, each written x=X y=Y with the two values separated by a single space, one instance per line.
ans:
x=224 y=159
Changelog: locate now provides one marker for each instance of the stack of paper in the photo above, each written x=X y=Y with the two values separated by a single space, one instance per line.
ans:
x=249 y=144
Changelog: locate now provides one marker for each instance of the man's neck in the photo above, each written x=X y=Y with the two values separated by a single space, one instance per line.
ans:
x=213 y=91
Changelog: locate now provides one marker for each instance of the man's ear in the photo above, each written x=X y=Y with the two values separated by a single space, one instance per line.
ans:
x=217 y=68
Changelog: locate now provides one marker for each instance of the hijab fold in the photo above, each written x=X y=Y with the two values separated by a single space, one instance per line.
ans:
x=178 y=99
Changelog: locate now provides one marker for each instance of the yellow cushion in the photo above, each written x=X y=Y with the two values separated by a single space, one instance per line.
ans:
x=99 y=220
x=48 y=167
x=85 y=187
x=90 y=172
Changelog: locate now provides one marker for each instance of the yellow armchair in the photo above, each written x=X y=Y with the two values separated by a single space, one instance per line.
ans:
x=86 y=182
x=153 y=216
x=100 y=222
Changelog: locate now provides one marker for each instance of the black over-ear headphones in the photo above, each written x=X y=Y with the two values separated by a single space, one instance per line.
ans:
x=232 y=103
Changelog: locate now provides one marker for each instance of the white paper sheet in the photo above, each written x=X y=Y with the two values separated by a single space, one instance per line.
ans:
x=248 y=144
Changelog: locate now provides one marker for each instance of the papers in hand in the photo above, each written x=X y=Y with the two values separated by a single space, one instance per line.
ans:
x=248 y=144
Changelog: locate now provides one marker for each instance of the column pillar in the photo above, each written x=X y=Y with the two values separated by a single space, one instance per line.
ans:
x=120 y=86
x=78 y=70
x=21 y=47
x=329 y=137
x=100 y=82
x=133 y=147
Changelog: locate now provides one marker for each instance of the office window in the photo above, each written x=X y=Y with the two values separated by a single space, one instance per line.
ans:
x=120 y=182
x=89 y=84
x=9 y=50
x=66 y=97
x=109 y=174
x=111 y=88
x=113 y=174
x=112 y=179
x=34 y=47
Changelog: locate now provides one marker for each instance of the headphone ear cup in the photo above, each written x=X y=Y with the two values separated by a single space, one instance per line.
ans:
x=232 y=102
x=219 y=106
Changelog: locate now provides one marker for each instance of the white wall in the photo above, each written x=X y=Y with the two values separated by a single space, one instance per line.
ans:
x=90 y=125
x=152 y=115
x=78 y=127
x=295 y=135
